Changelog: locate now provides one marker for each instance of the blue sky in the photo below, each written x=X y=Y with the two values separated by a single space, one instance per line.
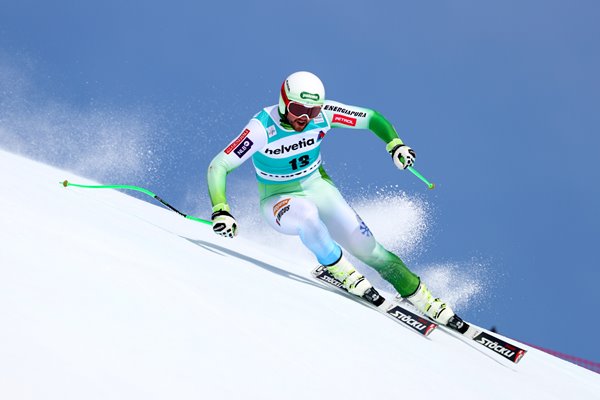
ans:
x=500 y=100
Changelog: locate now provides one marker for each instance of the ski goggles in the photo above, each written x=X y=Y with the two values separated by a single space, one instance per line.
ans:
x=299 y=110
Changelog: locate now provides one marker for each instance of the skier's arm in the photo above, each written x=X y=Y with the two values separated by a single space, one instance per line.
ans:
x=346 y=116
x=353 y=117
x=252 y=139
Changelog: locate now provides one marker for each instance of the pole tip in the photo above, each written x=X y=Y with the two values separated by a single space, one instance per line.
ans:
x=65 y=183
x=432 y=186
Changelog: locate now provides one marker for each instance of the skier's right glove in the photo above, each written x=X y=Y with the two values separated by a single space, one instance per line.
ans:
x=224 y=224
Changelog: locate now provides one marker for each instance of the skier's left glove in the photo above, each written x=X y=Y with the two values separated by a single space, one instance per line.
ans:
x=402 y=155
x=224 y=224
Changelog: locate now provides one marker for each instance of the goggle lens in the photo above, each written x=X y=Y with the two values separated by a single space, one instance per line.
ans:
x=300 y=109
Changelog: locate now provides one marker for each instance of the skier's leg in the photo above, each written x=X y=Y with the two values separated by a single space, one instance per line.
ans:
x=348 y=229
x=298 y=216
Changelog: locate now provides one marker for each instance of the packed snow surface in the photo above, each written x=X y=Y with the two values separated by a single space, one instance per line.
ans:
x=105 y=296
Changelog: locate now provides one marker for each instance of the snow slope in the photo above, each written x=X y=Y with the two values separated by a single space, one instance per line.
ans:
x=104 y=296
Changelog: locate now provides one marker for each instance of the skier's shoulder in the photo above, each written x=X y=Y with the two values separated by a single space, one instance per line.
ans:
x=267 y=116
x=332 y=106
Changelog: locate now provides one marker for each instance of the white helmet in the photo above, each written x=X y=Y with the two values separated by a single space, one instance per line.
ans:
x=302 y=87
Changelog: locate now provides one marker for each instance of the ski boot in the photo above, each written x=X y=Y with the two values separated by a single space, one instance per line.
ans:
x=434 y=308
x=352 y=280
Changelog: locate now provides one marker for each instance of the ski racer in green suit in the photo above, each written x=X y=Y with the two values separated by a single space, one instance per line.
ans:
x=298 y=198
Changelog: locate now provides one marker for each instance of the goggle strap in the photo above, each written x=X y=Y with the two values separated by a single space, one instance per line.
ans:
x=286 y=101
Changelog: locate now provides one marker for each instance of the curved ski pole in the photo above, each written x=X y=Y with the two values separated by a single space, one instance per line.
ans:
x=138 y=189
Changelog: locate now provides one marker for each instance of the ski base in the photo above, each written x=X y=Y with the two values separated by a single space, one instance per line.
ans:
x=393 y=310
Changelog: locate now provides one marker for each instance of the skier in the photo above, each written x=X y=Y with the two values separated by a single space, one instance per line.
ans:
x=297 y=197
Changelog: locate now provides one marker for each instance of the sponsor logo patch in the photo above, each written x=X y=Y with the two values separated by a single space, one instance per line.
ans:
x=321 y=136
x=352 y=113
x=342 y=119
x=280 y=214
x=302 y=143
x=310 y=96
x=280 y=205
x=506 y=350
x=237 y=141
x=280 y=209
x=417 y=323
x=243 y=147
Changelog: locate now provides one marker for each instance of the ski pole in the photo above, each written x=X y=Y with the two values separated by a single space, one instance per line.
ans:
x=421 y=177
x=138 y=189
x=418 y=175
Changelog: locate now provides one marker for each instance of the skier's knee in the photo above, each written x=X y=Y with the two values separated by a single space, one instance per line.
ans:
x=311 y=221
x=364 y=249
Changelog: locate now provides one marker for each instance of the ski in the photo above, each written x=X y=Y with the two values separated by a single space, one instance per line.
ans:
x=490 y=342
x=507 y=350
x=472 y=333
x=392 y=309
x=396 y=310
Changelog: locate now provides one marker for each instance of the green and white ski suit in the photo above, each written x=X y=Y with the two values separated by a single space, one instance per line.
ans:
x=297 y=197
